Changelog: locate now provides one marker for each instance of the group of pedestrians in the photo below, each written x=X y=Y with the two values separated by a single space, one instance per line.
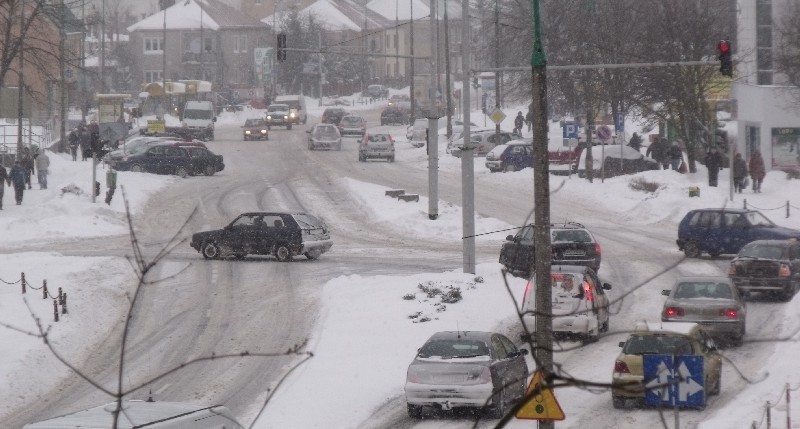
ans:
x=666 y=154
x=20 y=175
x=741 y=169
x=84 y=137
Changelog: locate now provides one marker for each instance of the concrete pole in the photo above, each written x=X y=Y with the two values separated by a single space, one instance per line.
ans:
x=497 y=65
x=411 y=46
x=103 y=47
x=467 y=164
x=319 y=57
x=83 y=61
x=20 y=79
x=448 y=93
x=433 y=127
x=62 y=108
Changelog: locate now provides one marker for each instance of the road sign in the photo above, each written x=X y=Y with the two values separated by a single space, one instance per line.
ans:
x=156 y=126
x=497 y=116
x=619 y=121
x=543 y=405
x=603 y=132
x=570 y=130
x=674 y=380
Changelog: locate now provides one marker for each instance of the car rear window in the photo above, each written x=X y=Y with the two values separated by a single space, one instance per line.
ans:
x=449 y=349
x=763 y=251
x=350 y=120
x=699 y=290
x=571 y=236
x=657 y=344
x=308 y=221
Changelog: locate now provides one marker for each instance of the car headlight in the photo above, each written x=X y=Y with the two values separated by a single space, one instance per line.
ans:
x=247 y=132
x=286 y=117
x=263 y=131
x=291 y=114
x=269 y=116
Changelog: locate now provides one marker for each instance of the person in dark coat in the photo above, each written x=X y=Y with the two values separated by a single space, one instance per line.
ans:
x=27 y=165
x=94 y=137
x=675 y=156
x=4 y=180
x=757 y=170
x=714 y=164
x=74 y=141
x=86 y=140
x=635 y=142
x=739 y=172
x=529 y=119
x=658 y=151
x=519 y=121
x=18 y=180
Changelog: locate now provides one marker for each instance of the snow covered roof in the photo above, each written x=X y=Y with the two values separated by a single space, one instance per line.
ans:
x=337 y=15
x=187 y=15
x=401 y=9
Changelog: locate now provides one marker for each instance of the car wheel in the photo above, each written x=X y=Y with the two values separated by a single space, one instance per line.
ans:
x=618 y=401
x=362 y=158
x=289 y=127
x=210 y=250
x=239 y=255
x=313 y=254
x=136 y=168
x=510 y=168
x=691 y=250
x=181 y=172
x=209 y=170
x=714 y=254
x=415 y=411
x=605 y=326
x=283 y=253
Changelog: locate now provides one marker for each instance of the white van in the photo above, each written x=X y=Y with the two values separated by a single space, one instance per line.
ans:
x=198 y=118
x=295 y=102
x=155 y=415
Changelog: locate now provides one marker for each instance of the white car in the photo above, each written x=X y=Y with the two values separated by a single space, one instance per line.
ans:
x=324 y=136
x=417 y=133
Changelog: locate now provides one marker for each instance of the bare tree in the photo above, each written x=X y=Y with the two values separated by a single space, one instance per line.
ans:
x=787 y=57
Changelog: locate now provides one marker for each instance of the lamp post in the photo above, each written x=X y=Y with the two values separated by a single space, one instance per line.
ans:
x=274 y=40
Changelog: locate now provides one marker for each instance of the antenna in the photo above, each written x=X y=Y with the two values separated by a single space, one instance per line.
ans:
x=150 y=396
x=458 y=330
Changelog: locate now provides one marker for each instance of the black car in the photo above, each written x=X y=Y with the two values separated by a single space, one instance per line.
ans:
x=160 y=158
x=281 y=234
x=572 y=244
x=769 y=266
x=394 y=116
x=203 y=160
x=333 y=115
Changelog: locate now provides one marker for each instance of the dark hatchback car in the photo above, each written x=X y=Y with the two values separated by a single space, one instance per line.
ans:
x=572 y=244
x=203 y=160
x=768 y=266
x=720 y=230
x=159 y=158
x=255 y=129
x=333 y=115
x=394 y=116
x=280 y=234
x=512 y=156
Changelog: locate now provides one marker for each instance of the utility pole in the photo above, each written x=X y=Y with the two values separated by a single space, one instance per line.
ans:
x=411 y=45
x=202 y=47
x=83 y=61
x=467 y=164
x=497 y=65
x=103 y=46
x=20 y=79
x=448 y=95
x=164 y=64
x=433 y=126
x=543 y=354
x=319 y=59
x=62 y=108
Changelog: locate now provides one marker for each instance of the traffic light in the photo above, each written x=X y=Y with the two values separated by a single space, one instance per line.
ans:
x=725 y=60
x=281 y=48
x=475 y=83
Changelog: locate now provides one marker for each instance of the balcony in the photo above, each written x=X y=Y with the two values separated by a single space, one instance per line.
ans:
x=197 y=57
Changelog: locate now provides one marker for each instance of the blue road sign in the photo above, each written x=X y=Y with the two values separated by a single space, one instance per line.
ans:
x=674 y=381
x=570 y=130
x=619 y=122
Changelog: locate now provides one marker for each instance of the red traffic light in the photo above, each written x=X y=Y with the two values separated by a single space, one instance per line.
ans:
x=723 y=46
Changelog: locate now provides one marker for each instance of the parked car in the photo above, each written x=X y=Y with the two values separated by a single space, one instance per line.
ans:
x=278 y=114
x=572 y=244
x=280 y=234
x=255 y=129
x=723 y=230
x=460 y=369
x=333 y=115
x=352 y=125
x=392 y=115
x=159 y=158
x=377 y=91
x=131 y=144
x=397 y=98
x=324 y=136
x=768 y=266
x=712 y=302
x=512 y=156
x=579 y=303
x=483 y=142
x=376 y=146
x=203 y=160
x=418 y=133
x=676 y=338
x=615 y=160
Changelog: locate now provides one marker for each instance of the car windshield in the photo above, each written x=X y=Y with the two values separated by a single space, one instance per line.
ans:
x=278 y=108
x=325 y=133
x=657 y=344
x=138 y=149
x=308 y=221
x=762 y=251
x=197 y=114
x=449 y=349
x=254 y=122
x=378 y=138
x=700 y=290
x=571 y=236
x=758 y=219
x=567 y=285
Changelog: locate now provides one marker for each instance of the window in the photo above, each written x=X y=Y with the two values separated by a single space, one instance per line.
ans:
x=240 y=43
x=498 y=348
x=764 y=64
x=710 y=219
x=257 y=1
x=152 y=76
x=153 y=45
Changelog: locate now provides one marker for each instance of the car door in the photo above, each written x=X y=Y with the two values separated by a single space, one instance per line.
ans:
x=239 y=236
x=710 y=234
x=201 y=158
x=153 y=160
x=518 y=367
x=737 y=232
x=174 y=157
x=519 y=254
x=502 y=365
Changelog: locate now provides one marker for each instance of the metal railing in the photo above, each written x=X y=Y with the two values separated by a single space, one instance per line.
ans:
x=39 y=135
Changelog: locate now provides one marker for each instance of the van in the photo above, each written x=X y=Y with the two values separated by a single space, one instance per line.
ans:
x=155 y=415
x=295 y=102
x=198 y=119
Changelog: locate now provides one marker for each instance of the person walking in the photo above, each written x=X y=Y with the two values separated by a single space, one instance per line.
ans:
x=74 y=141
x=635 y=142
x=4 y=180
x=658 y=151
x=739 y=172
x=675 y=156
x=18 y=180
x=757 y=170
x=714 y=164
x=42 y=167
x=85 y=142
x=27 y=165
x=519 y=121
x=529 y=120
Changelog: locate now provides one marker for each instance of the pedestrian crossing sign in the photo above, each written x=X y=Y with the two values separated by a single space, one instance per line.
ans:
x=541 y=403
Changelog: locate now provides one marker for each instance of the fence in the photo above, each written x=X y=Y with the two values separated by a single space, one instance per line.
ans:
x=787 y=206
x=39 y=135
x=766 y=415
x=58 y=300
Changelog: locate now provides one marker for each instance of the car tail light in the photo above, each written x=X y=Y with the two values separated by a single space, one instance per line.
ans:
x=486 y=376
x=412 y=376
x=784 y=271
x=597 y=249
x=673 y=312
x=732 y=269
x=621 y=367
x=528 y=290
x=587 y=290
x=730 y=313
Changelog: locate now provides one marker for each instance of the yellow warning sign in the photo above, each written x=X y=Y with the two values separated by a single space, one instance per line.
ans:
x=543 y=405
x=497 y=116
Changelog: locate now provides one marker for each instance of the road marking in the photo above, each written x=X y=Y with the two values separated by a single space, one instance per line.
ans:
x=163 y=388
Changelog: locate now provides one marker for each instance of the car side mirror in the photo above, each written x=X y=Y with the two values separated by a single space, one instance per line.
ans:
x=607 y=286
x=524 y=352
x=666 y=292
x=510 y=238
x=622 y=343
x=711 y=345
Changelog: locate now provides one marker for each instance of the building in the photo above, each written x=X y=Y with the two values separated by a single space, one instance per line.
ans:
x=767 y=108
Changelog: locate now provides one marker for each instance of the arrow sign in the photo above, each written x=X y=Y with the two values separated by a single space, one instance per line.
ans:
x=677 y=381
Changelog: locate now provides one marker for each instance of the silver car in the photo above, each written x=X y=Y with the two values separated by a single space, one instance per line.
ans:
x=325 y=136
x=353 y=125
x=376 y=146
x=279 y=114
x=712 y=302
x=466 y=369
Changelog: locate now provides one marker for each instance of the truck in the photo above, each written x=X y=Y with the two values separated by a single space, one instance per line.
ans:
x=140 y=414
x=198 y=119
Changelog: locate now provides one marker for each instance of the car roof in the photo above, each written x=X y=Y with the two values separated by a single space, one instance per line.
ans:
x=555 y=268
x=718 y=279
x=724 y=209
x=681 y=328
x=271 y=213
x=455 y=335
x=279 y=105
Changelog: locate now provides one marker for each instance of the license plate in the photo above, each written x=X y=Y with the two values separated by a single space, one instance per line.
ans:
x=574 y=253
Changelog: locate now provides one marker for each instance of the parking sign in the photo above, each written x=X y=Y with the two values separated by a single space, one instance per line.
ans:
x=570 y=130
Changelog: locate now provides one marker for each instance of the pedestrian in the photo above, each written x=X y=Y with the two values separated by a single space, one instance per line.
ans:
x=42 y=167
x=675 y=156
x=714 y=164
x=529 y=120
x=4 y=180
x=658 y=151
x=94 y=138
x=85 y=139
x=739 y=172
x=518 y=122
x=18 y=180
x=27 y=165
x=74 y=141
x=635 y=142
x=757 y=170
